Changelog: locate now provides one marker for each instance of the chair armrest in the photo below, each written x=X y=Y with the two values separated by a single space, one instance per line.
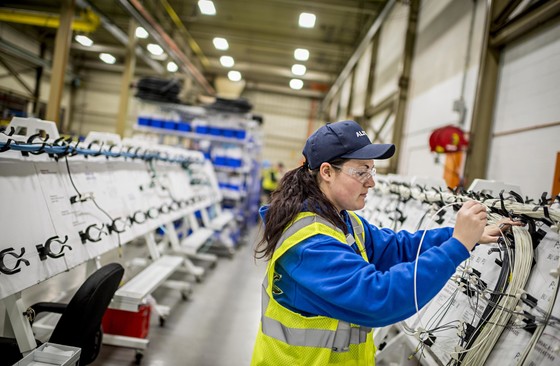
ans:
x=51 y=307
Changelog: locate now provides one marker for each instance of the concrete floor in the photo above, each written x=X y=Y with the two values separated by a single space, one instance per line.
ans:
x=216 y=326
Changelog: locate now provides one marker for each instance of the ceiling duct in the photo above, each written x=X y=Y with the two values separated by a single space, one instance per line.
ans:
x=138 y=12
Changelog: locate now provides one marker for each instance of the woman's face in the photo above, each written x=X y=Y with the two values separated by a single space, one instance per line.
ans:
x=347 y=185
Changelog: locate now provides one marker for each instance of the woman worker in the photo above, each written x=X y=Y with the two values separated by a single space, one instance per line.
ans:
x=331 y=275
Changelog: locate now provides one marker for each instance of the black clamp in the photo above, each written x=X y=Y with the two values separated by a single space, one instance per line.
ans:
x=45 y=250
x=86 y=234
x=16 y=269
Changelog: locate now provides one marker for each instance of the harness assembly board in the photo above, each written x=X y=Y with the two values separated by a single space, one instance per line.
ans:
x=500 y=306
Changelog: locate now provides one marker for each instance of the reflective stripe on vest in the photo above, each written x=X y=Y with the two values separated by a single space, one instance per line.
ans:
x=338 y=340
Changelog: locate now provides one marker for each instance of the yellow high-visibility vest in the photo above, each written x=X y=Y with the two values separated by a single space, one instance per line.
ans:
x=268 y=183
x=289 y=338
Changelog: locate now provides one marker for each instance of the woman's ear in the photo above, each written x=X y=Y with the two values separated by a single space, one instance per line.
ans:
x=326 y=171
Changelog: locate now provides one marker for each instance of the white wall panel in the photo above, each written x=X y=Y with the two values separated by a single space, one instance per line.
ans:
x=333 y=108
x=426 y=112
x=528 y=91
x=361 y=78
x=528 y=96
x=437 y=75
x=96 y=102
x=286 y=120
x=389 y=53
x=382 y=135
x=442 y=40
x=345 y=98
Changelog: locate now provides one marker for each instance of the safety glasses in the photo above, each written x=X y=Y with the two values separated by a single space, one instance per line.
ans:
x=361 y=175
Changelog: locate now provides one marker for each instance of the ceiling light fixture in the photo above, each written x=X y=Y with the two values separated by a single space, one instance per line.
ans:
x=301 y=54
x=234 y=75
x=107 y=58
x=83 y=40
x=220 y=43
x=298 y=69
x=172 y=66
x=227 y=61
x=141 y=33
x=155 y=49
x=296 y=84
x=307 y=20
x=206 y=7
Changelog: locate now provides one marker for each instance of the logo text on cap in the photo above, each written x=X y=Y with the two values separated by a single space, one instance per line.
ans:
x=360 y=133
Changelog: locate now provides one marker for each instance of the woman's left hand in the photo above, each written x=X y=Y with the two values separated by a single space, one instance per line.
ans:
x=492 y=232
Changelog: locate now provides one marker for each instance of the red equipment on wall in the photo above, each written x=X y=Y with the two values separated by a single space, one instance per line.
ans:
x=448 y=139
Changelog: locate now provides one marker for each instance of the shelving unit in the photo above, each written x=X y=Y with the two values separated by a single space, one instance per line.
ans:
x=231 y=141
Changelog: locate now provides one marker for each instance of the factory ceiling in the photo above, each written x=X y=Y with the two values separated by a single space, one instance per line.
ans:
x=262 y=36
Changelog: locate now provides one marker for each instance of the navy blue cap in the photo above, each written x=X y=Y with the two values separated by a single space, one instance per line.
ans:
x=344 y=139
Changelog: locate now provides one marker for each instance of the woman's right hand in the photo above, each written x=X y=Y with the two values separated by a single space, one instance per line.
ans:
x=470 y=223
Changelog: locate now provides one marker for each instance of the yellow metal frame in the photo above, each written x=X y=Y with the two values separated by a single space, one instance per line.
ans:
x=87 y=22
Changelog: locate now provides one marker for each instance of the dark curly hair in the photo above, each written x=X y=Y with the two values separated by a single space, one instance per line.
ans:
x=297 y=188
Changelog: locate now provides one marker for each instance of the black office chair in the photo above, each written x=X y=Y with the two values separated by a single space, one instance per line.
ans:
x=80 y=322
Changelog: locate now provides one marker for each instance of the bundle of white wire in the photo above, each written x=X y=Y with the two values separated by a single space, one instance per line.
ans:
x=489 y=335
x=480 y=350
x=478 y=353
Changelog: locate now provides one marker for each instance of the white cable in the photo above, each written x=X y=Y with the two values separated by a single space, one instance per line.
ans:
x=500 y=319
x=489 y=335
x=418 y=255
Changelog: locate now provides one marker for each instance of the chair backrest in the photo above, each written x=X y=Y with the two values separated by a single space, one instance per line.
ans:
x=80 y=324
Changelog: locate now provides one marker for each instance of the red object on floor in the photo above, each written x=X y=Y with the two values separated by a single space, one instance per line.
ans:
x=127 y=323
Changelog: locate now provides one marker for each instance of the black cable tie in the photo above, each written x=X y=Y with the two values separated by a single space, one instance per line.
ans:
x=40 y=151
x=32 y=138
x=517 y=196
x=100 y=148
x=11 y=133
x=75 y=148
x=66 y=150
x=529 y=300
x=118 y=155
x=502 y=203
x=7 y=146
x=43 y=143
x=58 y=140
x=543 y=201
x=128 y=149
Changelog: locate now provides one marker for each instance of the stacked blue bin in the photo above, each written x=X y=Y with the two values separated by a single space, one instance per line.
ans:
x=159 y=122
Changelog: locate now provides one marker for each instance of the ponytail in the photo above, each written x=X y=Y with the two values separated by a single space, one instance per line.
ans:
x=297 y=188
